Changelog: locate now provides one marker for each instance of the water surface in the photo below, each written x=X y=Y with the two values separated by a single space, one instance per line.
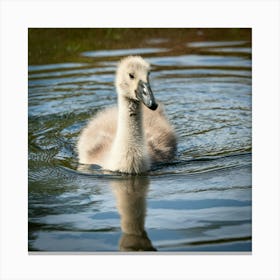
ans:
x=201 y=201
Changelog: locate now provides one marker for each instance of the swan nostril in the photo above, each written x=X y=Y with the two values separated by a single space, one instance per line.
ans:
x=144 y=91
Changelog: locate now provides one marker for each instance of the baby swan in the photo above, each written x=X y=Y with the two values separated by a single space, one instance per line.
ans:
x=131 y=137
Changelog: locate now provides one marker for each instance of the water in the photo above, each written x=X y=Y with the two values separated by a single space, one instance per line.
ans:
x=201 y=201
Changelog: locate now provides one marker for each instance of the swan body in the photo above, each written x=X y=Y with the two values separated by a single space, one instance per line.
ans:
x=132 y=136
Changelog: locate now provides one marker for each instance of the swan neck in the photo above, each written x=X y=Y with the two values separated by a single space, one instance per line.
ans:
x=129 y=152
x=130 y=126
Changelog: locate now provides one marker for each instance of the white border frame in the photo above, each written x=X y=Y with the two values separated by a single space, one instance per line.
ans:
x=261 y=15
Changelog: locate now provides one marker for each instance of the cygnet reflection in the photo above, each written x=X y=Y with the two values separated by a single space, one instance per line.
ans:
x=130 y=193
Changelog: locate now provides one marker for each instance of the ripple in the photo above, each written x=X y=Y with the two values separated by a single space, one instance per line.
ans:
x=56 y=66
x=201 y=60
x=202 y=245
x=231 y=50
x=122 y=52
x=206 y=44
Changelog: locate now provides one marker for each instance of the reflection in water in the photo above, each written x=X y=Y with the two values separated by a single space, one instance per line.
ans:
x=130 y=194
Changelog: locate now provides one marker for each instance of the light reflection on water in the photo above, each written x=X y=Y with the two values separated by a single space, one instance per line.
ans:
x=201 y=201
x=122 y=52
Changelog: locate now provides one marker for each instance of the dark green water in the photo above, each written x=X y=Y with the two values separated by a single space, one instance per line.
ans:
x=201 y=201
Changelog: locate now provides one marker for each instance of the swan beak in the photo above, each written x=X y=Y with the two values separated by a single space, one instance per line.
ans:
x=145 y=94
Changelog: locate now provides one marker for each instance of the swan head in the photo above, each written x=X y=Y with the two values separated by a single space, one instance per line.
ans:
x=132 y=81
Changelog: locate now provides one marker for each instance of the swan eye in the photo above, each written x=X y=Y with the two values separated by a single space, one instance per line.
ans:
x=131 y=76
